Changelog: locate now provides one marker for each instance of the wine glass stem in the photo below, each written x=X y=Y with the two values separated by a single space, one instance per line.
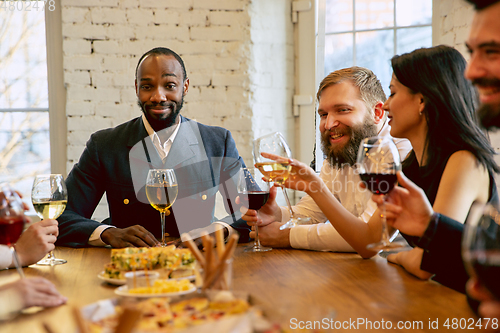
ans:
x=162 y=215
x=256 y=241
x=385 y=232
x=288 y=203
x=15 y=258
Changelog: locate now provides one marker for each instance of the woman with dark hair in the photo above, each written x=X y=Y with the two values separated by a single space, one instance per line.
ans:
x=432 y=105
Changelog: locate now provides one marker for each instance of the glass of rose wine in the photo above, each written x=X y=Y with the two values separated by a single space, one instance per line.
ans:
x=254 y=192
x=481 y=246
x=12 y=221
x=277 y=172
x=378 y=162
x=161 y=190
x=49 y=197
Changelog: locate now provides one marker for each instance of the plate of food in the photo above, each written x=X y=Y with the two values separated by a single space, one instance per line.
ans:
x=160 y=288
x=117 y=282
x=191 y=313
x=120 y=281
x=170 y=262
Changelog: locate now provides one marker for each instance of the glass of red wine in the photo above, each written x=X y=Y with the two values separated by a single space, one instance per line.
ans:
x=481 y=246
x=12 y=221
x=378 y=162
x=253 y=192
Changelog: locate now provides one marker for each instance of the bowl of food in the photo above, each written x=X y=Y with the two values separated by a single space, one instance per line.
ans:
x=139 y=279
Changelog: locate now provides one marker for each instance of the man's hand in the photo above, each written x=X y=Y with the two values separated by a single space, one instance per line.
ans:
x=135 y=235
x=271 y=235
x=37 y=241
x=407 y=209
x=268 y=213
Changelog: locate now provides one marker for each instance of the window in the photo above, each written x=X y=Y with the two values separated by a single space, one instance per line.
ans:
x=24 y=113
x=368 y=33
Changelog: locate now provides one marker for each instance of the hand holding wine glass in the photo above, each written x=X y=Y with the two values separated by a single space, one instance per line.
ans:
x=378 y=162
x=481 y=246
x=276 y=171
x=12 y=221
x=253 y=192
x=49 y=197
x=161 y=190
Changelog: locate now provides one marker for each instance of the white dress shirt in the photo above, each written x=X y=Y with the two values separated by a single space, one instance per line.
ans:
x=344 y=184
x=162 y=149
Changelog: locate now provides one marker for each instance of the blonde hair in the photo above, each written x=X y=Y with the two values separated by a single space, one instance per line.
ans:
x=369 y=85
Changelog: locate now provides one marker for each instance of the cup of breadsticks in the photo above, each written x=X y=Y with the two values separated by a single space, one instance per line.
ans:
x=215 y=260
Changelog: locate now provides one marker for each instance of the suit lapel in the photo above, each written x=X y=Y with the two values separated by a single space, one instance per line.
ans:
x=137 y=133
x=186 y=144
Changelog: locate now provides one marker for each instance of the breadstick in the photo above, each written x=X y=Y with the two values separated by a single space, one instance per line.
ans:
x=80 y=322
x=231 y=245
x=194 y=249
x=209 y=257
x=219 y=239
x=127 y=320
x=204 y=239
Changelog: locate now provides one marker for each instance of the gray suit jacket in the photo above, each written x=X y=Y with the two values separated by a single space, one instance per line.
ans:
x=116 y=162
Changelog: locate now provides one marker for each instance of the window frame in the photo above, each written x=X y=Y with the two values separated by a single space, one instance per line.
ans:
x=56 y=91
x=320 y=36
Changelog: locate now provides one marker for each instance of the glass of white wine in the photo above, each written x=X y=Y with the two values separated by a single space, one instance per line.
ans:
x=49 y=197
x=277 y=172
x=161 y=190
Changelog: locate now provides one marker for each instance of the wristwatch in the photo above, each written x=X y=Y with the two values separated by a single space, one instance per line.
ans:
x=424 y=241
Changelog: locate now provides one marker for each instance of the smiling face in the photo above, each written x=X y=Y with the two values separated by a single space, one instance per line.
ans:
x=160 y=88
x=405 y=111
x=345 y=121
x=483 y=68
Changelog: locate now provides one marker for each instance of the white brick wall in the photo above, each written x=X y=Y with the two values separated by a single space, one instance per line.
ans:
x=238 y=55
x=451 y=23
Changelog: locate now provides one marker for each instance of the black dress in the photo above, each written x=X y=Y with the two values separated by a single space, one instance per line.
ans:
x=443 y=255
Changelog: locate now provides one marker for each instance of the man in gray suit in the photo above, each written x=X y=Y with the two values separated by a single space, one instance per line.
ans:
x=116 y=161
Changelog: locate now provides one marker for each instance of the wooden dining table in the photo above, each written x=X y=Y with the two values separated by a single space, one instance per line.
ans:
x=297 y=288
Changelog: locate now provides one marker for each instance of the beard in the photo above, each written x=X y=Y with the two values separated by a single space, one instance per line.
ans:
x=165 y=121
x=488 y=114
x=347 y=154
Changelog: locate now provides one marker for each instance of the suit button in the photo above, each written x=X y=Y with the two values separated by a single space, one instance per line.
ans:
x=167 y=213
x=126 y=201
x=204 y=197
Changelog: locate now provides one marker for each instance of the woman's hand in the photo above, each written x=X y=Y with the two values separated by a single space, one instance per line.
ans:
x=411 y=261
x=489 y=306
x=408 y=208
x=35 y=291
x=37 y=241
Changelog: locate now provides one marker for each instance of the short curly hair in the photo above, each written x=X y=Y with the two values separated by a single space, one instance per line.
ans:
x=369 y=85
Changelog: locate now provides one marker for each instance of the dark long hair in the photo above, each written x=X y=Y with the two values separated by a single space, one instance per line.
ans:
x=450 y=102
